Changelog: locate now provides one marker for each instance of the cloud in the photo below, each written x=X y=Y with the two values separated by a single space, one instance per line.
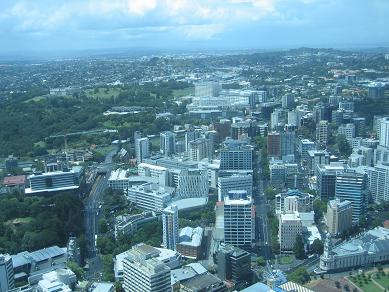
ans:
x=172 y=22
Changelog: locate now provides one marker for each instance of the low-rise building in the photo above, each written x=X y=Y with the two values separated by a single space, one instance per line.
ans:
x=190 y=242
x=149 y=196
x=367 y=249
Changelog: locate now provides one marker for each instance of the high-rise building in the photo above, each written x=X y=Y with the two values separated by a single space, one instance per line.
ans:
x=234 y=182
x=294 y=201
x=199 y=149
x=170 y=227
x=143 y=272
x=236 y=158
x=192 y=183
x=304 y=146
x=233 y=264
x=290 y=226
x=142 y=149
x=322 y=133
x=274 y=119
x=167 y=143
x=7 y=278
x=274 y=144
x=339 y=216
x=347 y=130
x=287 y=100
x=293 y=118
x=384 y=132
x=239 y=219
x=287 y=143
x=360 y=126
x=376 y=90
x=379 y=182
x=326 y=180
x=352 y=186
x=242 y=129
x=192 y=134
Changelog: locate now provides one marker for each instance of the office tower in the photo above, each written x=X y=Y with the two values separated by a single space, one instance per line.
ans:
x=337 y=117
x=236 y=158
x=192 y=134
x=339 y=216
x=233 y=263
x=360 y=126
x=274 y=119
x=199 y=149
x=293 y=118
x=352 y=186
x=347 y=106
x=379 y=182
x=239 y=219
x=326 y=180
x=304 y=146
x=290 y=226
x=287 y=143
x=143 y=272
x=170 y=227
x=338 y=89
x=274 y=144
x=293 y=201
x=376 y=90
x=242 y=129
x=7 y=278
x=322 y=133
x=141 y=149
x=347 y=130
x=334 y=100
x=287 y=101
x=137 y=135
x=207 y=89
x=234 y=182
x=384 y=132
x=192 y=183
x=266 y=110
x=167 y=143
x=321 y=112
x=223 y=129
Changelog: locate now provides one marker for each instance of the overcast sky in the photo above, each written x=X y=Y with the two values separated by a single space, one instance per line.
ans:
x=38 y=25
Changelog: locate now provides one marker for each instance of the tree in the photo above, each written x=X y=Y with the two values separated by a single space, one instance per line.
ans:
x=298 y=247
x=343 y=146
x=299 y=275
x=319 y=207
x=270 y=194
x=317 y=246
x=75 y=268
x=261 y=261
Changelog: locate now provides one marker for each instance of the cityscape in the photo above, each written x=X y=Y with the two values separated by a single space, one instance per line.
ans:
x=227 y=168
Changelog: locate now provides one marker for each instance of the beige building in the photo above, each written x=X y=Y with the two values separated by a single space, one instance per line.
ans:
x=290 y=226
x=339 y=216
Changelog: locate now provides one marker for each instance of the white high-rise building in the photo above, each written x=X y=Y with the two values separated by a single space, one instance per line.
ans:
x=348 y=130
x=239 y=219
x=7 y=278
x=143 y=272
x=141 y=149
x=384 y=132
x=170 y=227
x=234 y=182
x=379 y=182
x=339 y=216
x=322 y=133
x=191 y=135
x=199 y=149
x=192 y=183
x=167 y=143
x=293 y=118
x=289 y=227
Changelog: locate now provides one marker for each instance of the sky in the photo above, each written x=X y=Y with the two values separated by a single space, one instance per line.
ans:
x=64 y=25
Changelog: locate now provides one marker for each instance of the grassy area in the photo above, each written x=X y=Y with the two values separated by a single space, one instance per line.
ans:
x=36 y=98
x=15 y=223
x=365 y=284
x=382 y=280
x=103 y=93
x=286 y=259
x=183 y=92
